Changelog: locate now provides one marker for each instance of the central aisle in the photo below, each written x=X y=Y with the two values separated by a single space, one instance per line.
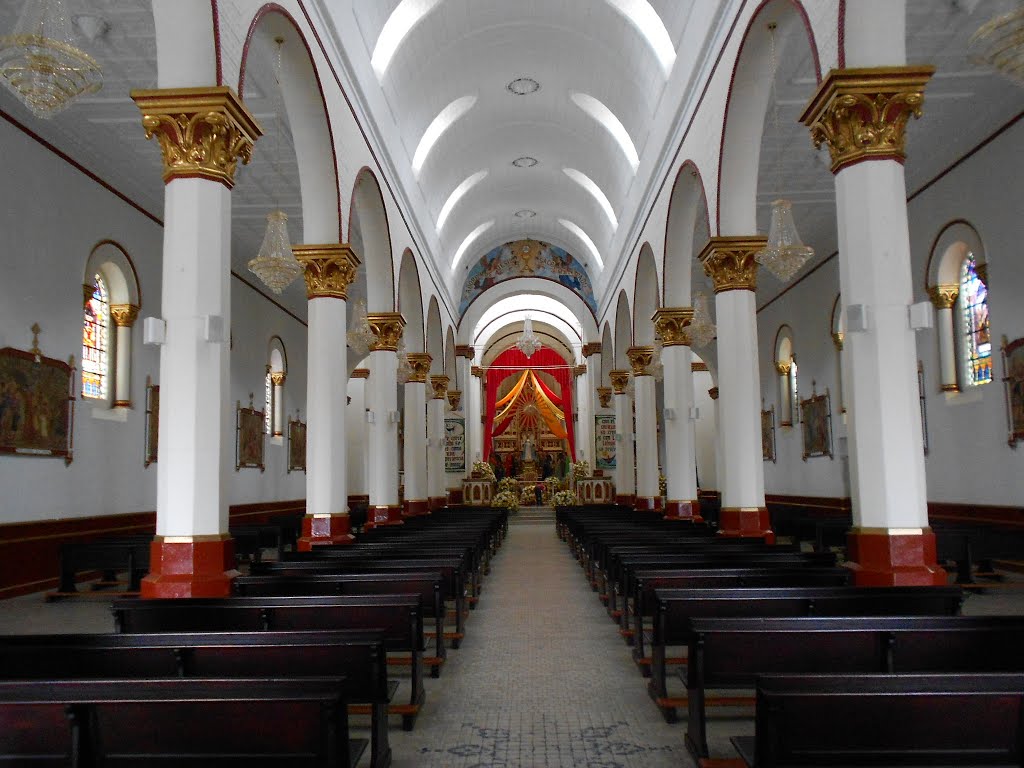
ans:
x=542 y=680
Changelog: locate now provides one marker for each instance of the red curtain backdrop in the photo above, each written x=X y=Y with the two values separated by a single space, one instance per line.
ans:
x=512 y=362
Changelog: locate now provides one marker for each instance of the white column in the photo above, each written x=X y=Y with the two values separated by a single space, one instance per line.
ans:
x=277 y=379
x=787 y=416
x=474 y=411
x=729 y=261
x=584 y=427
x=124 y=317
x=625 y=469
x=721 y=466
x=464 y=361
x=357 y=437
x=382 y=420
x=944 y=298
x=648 y=493
x=416 y=496
x=680 y=451
x=435 y=442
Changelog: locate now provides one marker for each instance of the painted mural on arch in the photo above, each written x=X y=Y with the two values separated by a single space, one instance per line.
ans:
x=527 y=258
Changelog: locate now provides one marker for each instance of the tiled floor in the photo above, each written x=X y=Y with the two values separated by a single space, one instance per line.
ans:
x=542 y=679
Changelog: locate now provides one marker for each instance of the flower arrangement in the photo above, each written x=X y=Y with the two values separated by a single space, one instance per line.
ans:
x=526 y=495
x=509 y=484
x=581 y=469
x=506 y=500
x=483 y=470
x=564 y=499
x=554 y=485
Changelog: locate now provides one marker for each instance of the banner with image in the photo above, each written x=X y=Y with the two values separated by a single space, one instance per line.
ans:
x=455 y=444
x=604 y=438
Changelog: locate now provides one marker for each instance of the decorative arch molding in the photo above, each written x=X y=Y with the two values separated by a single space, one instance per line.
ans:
x=309 y=121
x=542 y=286
x=368 y=209
x=784 y=362
x=623 y=331
x=111 y=259
x=435 y=338
x=688 y=198
x=410 y=302
x=952 y=243
x=745 y=108
x=276 y=375
x=646 y=296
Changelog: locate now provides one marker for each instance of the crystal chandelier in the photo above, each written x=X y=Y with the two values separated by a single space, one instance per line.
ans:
x=275 y=264
x=701 y=329
x=361 y=336
x=528 y=343
x=784 y=253
x=39 y=63
x=999 y=43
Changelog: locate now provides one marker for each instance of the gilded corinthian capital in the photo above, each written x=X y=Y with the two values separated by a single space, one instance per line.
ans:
x=329 y=269
x=454 y=398
x=640 y=359
x=729 y=261
x=203 y=132
x=439 y=387
x=620 y=380
x=943 y=296
x=420 y=364
x=604 y=395
x=862 y=113
x=672 y=324
x=124 y=315
x=592 y=348
x=387 y=330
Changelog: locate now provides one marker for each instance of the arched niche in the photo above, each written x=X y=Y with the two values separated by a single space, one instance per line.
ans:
x=645 y=297
x=410 y=302
x=369 y=216
x=623 y=332
x=435 y=338
x=687 y=215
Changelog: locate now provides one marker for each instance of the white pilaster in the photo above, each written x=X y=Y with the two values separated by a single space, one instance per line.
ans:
x=647 y=490
x=415 y=444
x=382 y=428
x=327 y=369
x=435 y=440
x=680 y=456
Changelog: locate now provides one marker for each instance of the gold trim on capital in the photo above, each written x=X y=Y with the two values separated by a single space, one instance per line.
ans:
x=454 y=398
x=477 y=371
x=387 y=330
x=713 y=393
x=672 y=325
x=124 y=315
x=604 y=395
x=277 y=378
x=620 y=380
x=329 y=269
x=729 y=261
x=203 y=132
x=837 y=340
x=783 y=367
x=863 y=113
x=420 y=364
x=943 y=296
x=579 y=370
x=465 y=350
x=590 y=348
x=360 y=373
x=640 y=358
x=950 y=387
x=699 y=367
x=439 y=387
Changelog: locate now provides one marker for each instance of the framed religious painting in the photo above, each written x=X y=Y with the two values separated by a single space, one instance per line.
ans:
x=816 y=425
x=152 y=422
x=1013 y=381
x=296 y=445
x=768 y=435
x=37 y=403
x=249 y=429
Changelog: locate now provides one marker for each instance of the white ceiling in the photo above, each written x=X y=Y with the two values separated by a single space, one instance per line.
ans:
x=476 y=47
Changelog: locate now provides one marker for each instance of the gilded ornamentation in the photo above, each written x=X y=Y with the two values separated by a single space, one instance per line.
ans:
x=863 y=113
x=277 y=378
x=387 y=330
x=640 y=359
x=465 y=350
x=837 y=339
x=360 y=373
x=713 y=393
x=604 y=395
x=783 y=367
x=579 y=370
x=592 y=348
x=620 y=380
x=203 y=132
x=729 y=261
x=329 y=269
x=672 y=324
x=944 y=296
x=699 y=367
x=420 y=364
x=124 y=315
x=454 y=398
x=439 y=386
x=477 y=371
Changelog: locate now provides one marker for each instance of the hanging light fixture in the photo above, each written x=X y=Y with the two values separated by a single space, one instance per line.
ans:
x=40 y=64
x=528 y=342
x=701 y=329
x=999 y=43
x=785 y=252
x=275 y=264
x=361 y=335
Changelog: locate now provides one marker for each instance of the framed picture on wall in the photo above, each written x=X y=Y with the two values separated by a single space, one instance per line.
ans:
x=296 y=445
x=1013 y=381
x=768 y=434
x=249 y=430
x=152 y=422
x=816 y=425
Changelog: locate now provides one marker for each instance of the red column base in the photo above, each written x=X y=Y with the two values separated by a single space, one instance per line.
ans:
x=378 y=517
x=416 y=508
x=687 y=511
x=746 y=523
x=437 y=502
x=625 y=499
x=190 y=566
x=647 y=504
x=879 y=557
x=321 y=530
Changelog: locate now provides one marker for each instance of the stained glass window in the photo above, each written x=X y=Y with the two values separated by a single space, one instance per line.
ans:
x=96 y=341
x=974 y=311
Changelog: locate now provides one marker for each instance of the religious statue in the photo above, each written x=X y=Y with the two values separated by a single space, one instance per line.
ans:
x=528 y=451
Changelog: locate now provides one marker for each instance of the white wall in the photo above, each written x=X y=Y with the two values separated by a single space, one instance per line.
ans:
x=52 y=215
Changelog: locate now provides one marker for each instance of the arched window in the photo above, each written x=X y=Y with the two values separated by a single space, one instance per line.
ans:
x=273 y=385
x=96 y=341
x=785 y=365
x=977 y=343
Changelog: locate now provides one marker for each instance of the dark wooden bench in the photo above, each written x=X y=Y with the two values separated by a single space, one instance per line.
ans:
x=428 y=584
x=893 y=720
x=675 y=607
x=357 y=656
x=731 y=653
x=108 y=556
x=398 y=617
x=174 y=722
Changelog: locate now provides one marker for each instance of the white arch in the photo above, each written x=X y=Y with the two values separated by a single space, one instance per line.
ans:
x=641 y=15
x=457 y=194
x=400 y=23
x=597 y=110
x=438 y=126
x=527 y=285
x=595 y=191
x=585 y=239
x=469 y=241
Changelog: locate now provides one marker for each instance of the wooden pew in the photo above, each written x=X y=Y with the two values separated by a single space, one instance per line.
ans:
x=110 y=556
x=175 y=722
x=398 y=617
x=675 y=607
x=357 y=656
x=892 y=720
x=428 y=584
x=731 y=653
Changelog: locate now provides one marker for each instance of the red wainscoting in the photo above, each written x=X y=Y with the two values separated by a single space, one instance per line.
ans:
x=30 y=551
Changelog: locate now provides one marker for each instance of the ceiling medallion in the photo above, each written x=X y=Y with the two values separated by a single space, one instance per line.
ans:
x=525 y=162
x=526 y=213
x=522 y=86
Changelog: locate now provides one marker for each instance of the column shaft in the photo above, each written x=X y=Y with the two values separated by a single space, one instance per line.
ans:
x=415 y=502
x=382 y=402
x=435 y=453
x=648 y=493
x=625 y=477
x=680 y=451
